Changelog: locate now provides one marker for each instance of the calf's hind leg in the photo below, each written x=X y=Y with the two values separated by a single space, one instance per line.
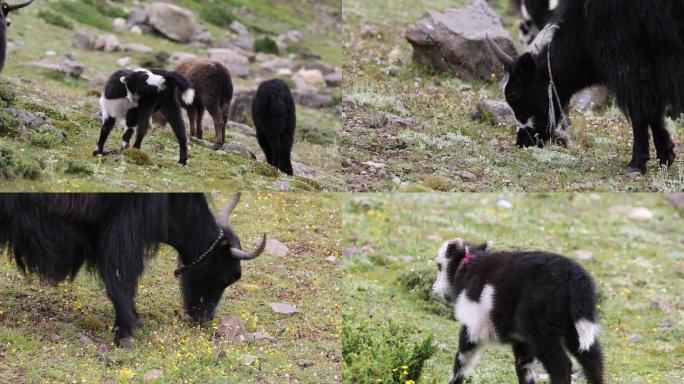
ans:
x=552 y=355
x=216 y=113
x=466 y=358
x=662 y=140
x=173 y=115
x=523 y=364
x=640 y=147
x=107 y=127
x=591 y=360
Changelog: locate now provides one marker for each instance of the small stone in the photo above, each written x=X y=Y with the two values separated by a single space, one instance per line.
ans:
x=50 y=53
x=154 y=374
x=349 y=103
x=233 y=329
x=634 y=338
x=157 y=338
x=502 y=203
x=306 y=364
x=386 y=119
x=260 y=336
x=466 y=175
x=284 y=186
x=276 y=247
x=640 y=213
x=675 y=199
x=394 y=56
x=331 y=259
x=498 y=111
x=286 y=309
x=85 y=339
x=374 y=164
x=124 y=61
x=583 y=255
x=136 y=30
x=249 y=359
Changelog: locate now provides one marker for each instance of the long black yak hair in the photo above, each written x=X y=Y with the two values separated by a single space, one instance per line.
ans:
x=635 y=48
x=54 y=235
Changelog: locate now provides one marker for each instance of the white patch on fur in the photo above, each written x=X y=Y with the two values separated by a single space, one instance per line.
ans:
x=189 y=96
x=587 y=331
x=531 y=375
x=116 y=108
x=553 y=4
x=469 y=360
x=441 y=287
x=528 y=124
x=475 y=315
x=543 y=39
x=152 y=79
x=525 y=14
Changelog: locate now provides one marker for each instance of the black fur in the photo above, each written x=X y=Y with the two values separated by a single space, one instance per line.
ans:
x=538 y=297
x=5 y=10
x=275 y=119
x=53 y=235
x=145 y=99
x=638 y=55
x=539 y=15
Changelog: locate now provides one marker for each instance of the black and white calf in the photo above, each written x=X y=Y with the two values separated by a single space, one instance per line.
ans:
x=536 y=14
x=540 y=303
x=133 y=95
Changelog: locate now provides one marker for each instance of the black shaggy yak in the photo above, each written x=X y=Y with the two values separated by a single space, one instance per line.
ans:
x=213 y=93
x=134 y=95
x=53 y=235
x=275 y=119
x=5 y=10
x=540 y=303
x=635 y=48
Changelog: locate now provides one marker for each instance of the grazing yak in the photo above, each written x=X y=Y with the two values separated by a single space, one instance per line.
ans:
x=540 y=303
x=5 y=10
x=53 y=235
x=133 y=95
x=638 y=55
x=275 y=119
x=213 y=93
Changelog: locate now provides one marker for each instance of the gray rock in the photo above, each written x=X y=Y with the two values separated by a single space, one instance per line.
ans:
x=241 y=107
x=69 y=67
x=136 y=17
x=242 y=128
x=233 y=329
x=179 y=57
x=135 y=47
x=454 y=40
x=125 y=62
x=175 y=23
x=640 y=213
x=334 y=79
x=276 y=247
x=119 y=24
x=499 y=111
x=349 y=102
x=590 y=99
x=286 y=309
x=676 y=200
x=238 y=150
x=284 y=186
x=271 y=67
x=154 y=374
x=249 y=359
x=107 y=43
x=84 y=39
x=27 y=119
x=238 y=28
x=583 y=255
x=386 y=119
x=304 y=170
x=322 y=66
x=313 y=100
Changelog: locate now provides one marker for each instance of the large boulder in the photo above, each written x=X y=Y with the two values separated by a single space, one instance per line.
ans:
x=241 y=107
x=175 y=23
x=234 y=61
x=454 y=40
x=107 y=43
x=84 y=39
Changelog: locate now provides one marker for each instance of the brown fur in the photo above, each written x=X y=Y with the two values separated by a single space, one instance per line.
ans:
x=214 y=91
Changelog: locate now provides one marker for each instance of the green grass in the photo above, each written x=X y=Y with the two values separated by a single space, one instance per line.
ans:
x=391 y=242
x=445 y=140
x=76 y=104
x=40 y=326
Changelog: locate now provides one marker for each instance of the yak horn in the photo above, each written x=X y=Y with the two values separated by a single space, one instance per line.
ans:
x=504 y=57
x=226 y=211
x=244 y=255
x=14 y=7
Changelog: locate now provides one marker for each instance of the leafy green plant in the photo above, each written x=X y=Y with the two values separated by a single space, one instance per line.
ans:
x=11 y=167
x=221 y=15
x=84 y=13
x=265 y=45
x=382 y=352
x=106 y=8
x=55 y=19
x=7 y=93
x=157 y=59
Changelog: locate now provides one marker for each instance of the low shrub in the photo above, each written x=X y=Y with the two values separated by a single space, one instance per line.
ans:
x=158 y=59
x=7 y=93
x=55 y=19
x=221 y=15
x=265 y=45
x=46 y=136
x=12 y=168
x=78 y=168
x=85 y=13
x=382 y=352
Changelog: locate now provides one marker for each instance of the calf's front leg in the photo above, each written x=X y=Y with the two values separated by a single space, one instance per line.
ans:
x=466 y=358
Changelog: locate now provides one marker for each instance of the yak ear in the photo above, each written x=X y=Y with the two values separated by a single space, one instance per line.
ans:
x=455 y=248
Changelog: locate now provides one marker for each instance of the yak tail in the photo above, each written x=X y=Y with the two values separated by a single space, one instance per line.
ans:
x=182 y=85
x=583 y=309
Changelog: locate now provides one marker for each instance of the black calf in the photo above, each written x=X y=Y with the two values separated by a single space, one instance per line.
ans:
x=275 y=119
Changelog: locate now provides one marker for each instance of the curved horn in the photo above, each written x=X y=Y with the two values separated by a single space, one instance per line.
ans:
x=245 y=255
x=504 y=57
x=14 y=7
x=225 y=212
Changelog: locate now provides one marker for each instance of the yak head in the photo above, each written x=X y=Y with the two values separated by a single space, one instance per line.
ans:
x=142 y=83
x=527 y=93
x=202 y=285
x=5 y=10
x=452 y=256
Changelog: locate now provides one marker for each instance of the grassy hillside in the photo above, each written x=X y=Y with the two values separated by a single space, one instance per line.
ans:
x=60 y=159
x=390 y=242
x=441 y=138
x=45 y=331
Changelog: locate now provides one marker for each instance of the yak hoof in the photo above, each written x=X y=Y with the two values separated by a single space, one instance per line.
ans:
x=669 y=159
x=183 y=162
x=126 y=342
x=217 y=146
x=138 y=323
x=632 y=170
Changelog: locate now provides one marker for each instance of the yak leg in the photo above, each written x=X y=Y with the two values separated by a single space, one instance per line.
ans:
x=466 y=358
x=285 y=154
x=640 y=152
x=144 y=114
x=216 y=113
x=523 y=364
x=107 y=127
x=266 y=147
x=173 y=115
x=131 y=122
x=662 y=140
x=192 y=117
